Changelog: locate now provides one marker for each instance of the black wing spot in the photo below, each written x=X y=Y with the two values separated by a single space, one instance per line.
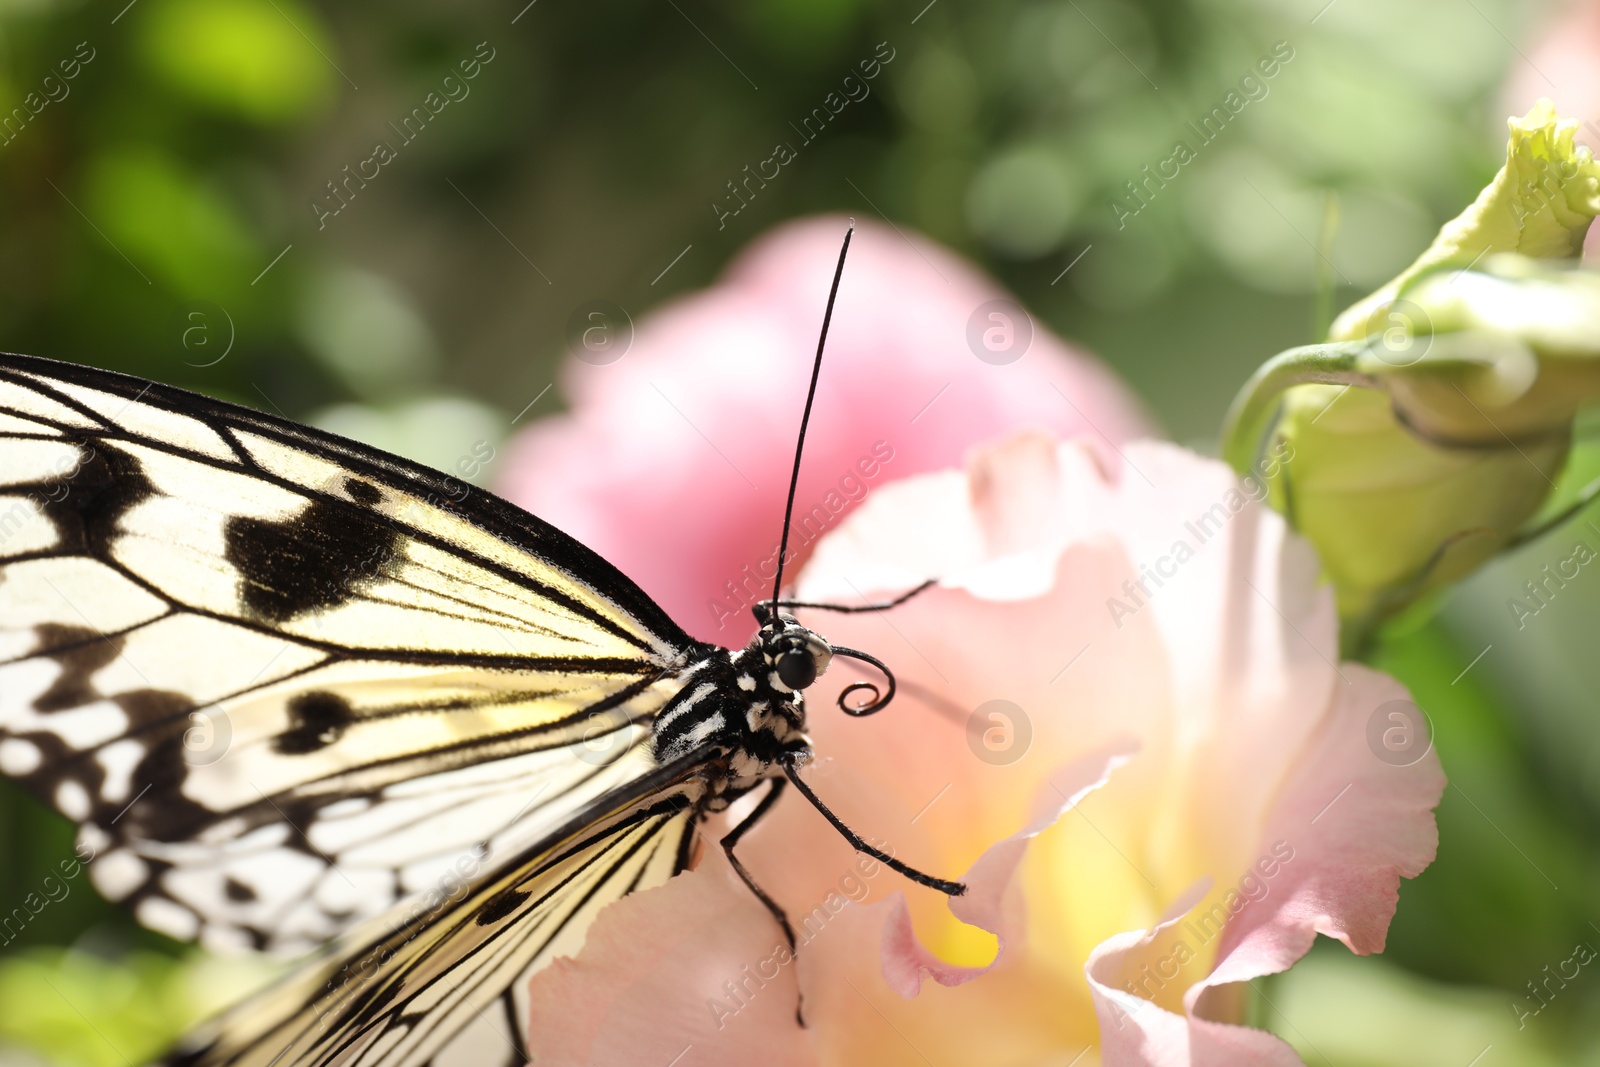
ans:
x=316 y=721
x=500 y=907
x=318 y=559
x=163 y=768
x=147 y=707
x=86 y=501
x=82 y=652
x=238 y=891
x=361 y=492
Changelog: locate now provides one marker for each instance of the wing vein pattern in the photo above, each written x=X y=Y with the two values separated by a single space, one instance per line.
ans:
x=288 y=685
x=445 y=983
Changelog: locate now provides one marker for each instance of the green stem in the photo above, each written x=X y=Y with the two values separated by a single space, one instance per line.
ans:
x=1586 y=496
x=1254 y=410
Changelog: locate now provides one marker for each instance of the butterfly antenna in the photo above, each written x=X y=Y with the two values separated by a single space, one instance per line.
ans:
x=805 y=420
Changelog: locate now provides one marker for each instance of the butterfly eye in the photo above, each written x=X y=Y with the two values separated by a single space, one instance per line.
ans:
x=796 y=668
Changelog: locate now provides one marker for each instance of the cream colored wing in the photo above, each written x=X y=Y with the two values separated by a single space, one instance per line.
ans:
x=445 y=982
x=284 y=681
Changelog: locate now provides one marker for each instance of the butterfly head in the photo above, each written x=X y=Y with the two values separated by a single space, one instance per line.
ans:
x=796 y=656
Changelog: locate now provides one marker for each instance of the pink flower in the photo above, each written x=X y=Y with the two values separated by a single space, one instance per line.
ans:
x=1182 y=788
x=674 y=461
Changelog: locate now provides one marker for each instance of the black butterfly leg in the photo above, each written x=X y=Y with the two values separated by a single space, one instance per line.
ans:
x=763 y=608
x=857 y=842
x=731 y=839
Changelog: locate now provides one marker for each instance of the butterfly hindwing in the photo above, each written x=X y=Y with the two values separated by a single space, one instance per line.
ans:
x=282 y=680
x=446 y=983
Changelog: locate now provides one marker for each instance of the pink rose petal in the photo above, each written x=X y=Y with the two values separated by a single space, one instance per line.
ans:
x=1356 y=825
x=906 y=962
x=644 y=988
x=1251 y=736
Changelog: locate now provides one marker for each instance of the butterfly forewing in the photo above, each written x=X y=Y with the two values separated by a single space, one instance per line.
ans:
x=283 y=681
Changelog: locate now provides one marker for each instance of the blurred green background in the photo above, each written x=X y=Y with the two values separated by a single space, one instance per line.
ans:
x=156 y=216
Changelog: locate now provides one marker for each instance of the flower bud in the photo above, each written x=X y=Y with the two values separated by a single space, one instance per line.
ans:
x=1433 y=426
x=1539 y=205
